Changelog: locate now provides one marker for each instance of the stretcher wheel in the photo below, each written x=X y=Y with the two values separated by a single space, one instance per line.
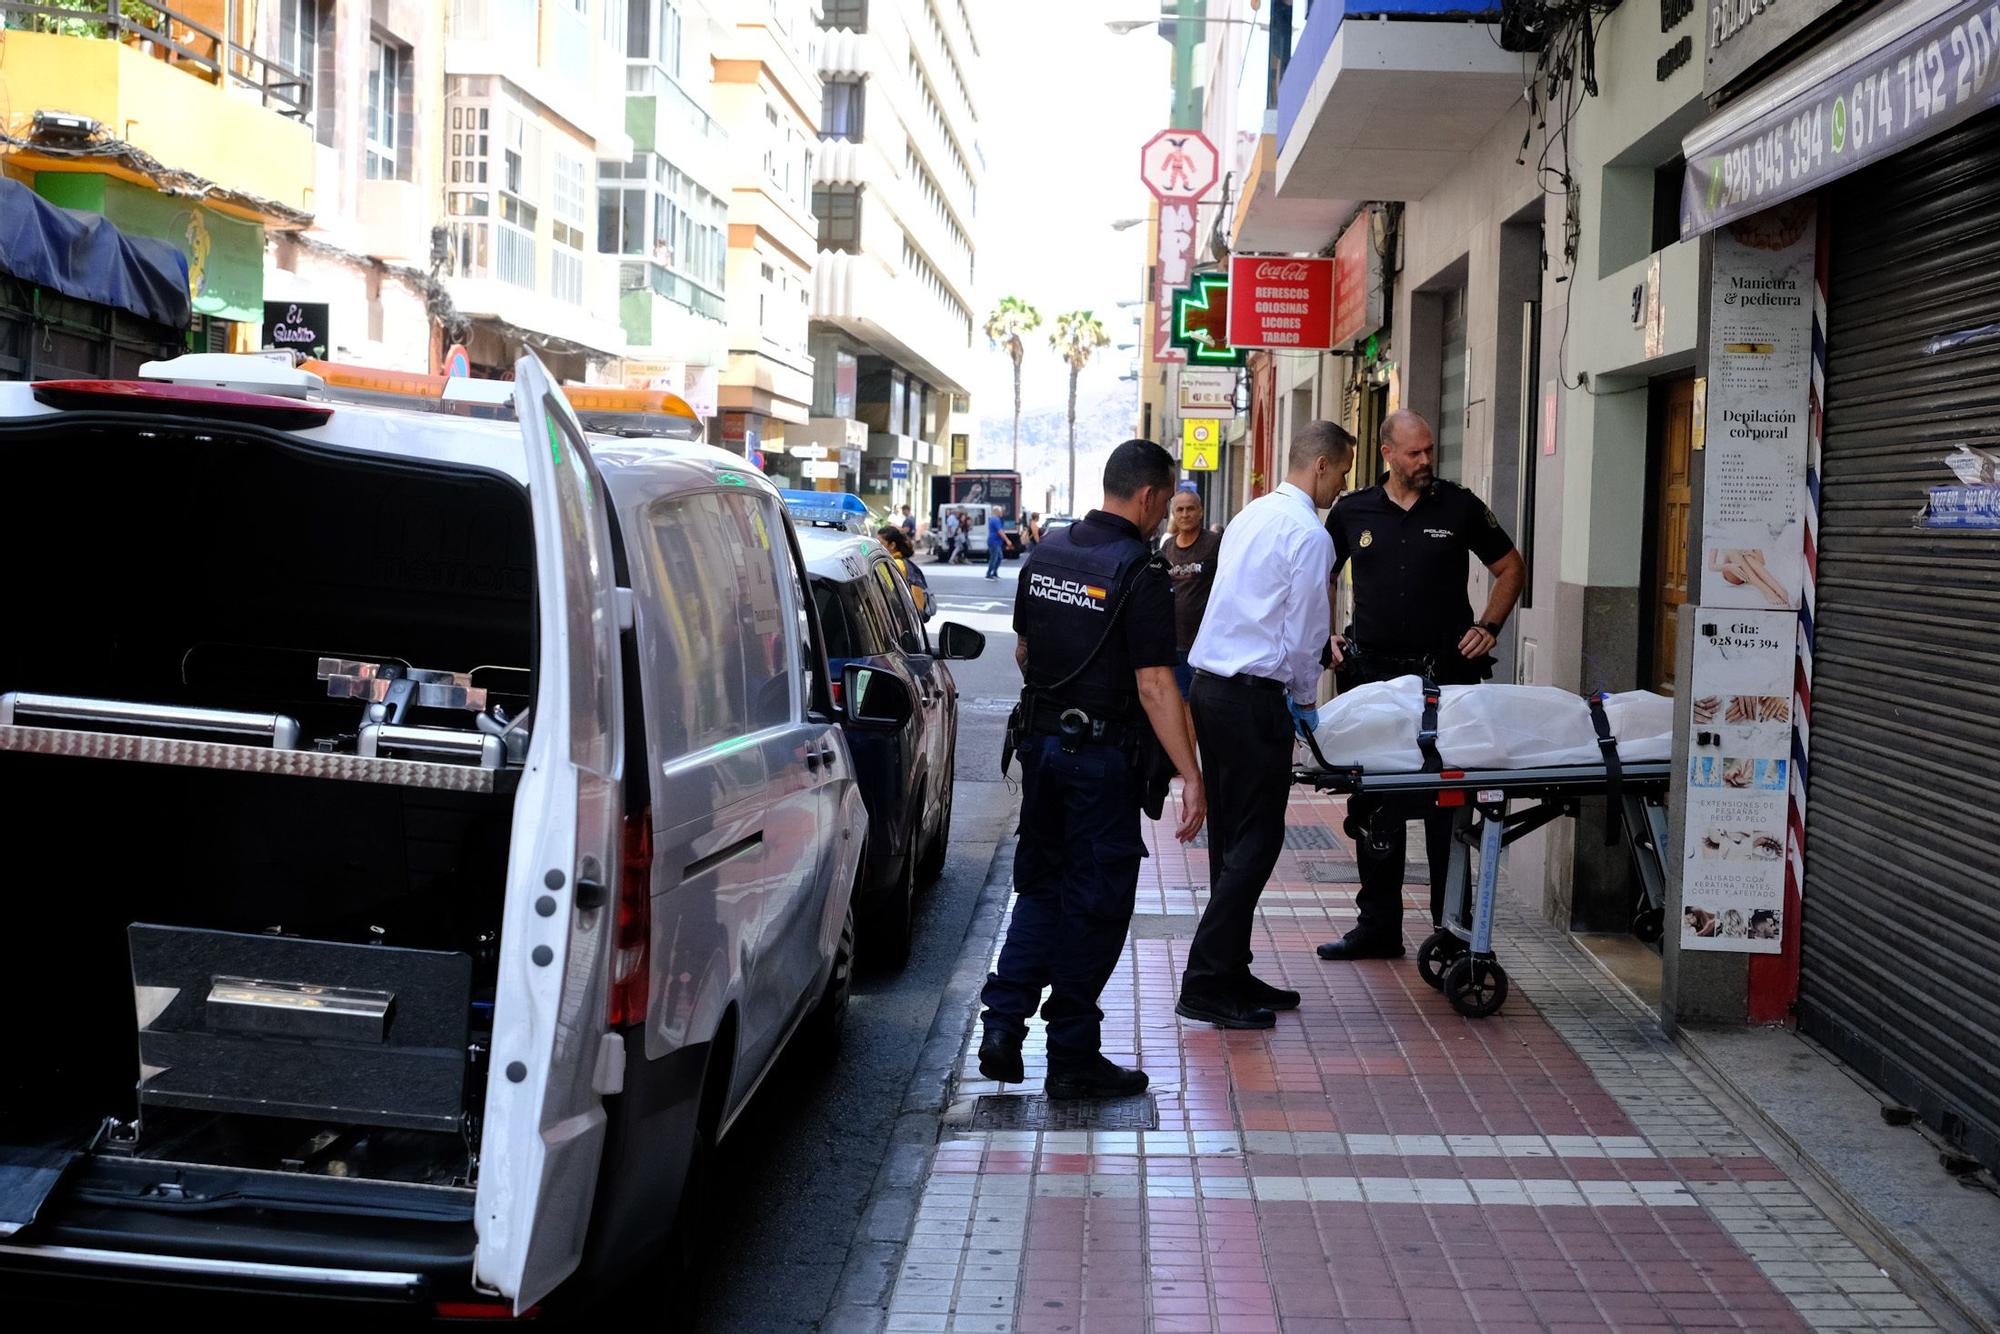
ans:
x=1475 y=987
x=1650 y=924
x=1434 y=956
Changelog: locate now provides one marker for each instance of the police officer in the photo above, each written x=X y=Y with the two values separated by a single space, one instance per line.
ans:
x=1095 y=619
x=1408 y=539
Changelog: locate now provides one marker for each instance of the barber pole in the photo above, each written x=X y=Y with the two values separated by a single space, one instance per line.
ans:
x=1774 y=979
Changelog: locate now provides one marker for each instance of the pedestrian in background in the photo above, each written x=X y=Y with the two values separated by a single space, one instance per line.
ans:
x=949 y=552
x=1257 y=668
x=909 y=523
x=996 y=543
x=1408 y=540
x=1031 y=532
x=1095 y=620
x=1190 y=551
x=904 y=552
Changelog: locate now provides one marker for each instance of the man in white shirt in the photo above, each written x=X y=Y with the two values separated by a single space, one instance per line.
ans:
x=1257 y=662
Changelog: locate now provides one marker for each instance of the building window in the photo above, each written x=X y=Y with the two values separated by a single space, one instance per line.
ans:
x=838 y=208
x=386 y=75
x=566 y=201
x=653 y=32
x=519 y=154
x=841 y=108
x=305 y=34
x=849 y=14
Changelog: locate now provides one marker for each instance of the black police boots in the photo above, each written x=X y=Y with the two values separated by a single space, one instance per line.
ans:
x=1098 y=1078
x=1000 y=1057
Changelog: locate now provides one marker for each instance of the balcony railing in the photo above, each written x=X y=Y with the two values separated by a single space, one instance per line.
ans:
x=637 y=275
x=174 y=38
x=644 y=78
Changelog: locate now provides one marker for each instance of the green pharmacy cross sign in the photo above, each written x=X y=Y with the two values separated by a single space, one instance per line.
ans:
x=1201 y=322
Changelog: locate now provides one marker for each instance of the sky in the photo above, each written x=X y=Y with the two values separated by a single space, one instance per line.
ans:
x=1066 y=106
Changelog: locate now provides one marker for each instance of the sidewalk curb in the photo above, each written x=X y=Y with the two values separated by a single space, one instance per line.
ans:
x=861 y=1299
x=1876 y=1235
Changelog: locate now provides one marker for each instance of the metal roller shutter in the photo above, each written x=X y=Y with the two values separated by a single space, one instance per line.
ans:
x=1901 y=923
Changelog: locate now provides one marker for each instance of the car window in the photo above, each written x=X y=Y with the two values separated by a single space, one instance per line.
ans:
x=726 y=631
x=909 y=627
x=866 y=598
x=833 y=619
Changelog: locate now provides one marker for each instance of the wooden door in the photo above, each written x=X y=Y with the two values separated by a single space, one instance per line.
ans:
x=1670 y=526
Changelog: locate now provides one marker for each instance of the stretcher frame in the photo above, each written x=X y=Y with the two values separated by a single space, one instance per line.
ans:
x=1458 y=957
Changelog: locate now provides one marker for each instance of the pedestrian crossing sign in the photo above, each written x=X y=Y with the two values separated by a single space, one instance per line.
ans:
x=1201 y=441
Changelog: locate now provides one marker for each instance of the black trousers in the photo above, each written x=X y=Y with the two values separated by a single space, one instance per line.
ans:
x=1245 y=734
x=1379 y=852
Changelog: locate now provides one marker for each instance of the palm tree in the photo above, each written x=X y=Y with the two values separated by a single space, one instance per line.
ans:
x=1076 y=337
x=1005 y=327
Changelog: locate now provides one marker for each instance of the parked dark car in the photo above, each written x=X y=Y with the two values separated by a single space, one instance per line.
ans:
x=900 y=715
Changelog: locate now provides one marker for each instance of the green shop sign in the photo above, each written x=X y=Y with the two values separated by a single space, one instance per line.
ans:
x=225 y=255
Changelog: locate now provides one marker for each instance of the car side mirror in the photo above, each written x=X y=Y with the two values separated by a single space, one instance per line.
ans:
x=875 y=698
x=959 y=642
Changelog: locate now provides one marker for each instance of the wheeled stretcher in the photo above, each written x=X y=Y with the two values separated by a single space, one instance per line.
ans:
x=1494 y=807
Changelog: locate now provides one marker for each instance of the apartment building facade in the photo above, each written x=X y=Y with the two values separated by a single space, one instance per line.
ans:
x=895 y=204
x=534 y=98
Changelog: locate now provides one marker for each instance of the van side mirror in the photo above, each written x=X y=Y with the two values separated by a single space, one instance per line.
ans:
x=959 y=642
x=874 y=697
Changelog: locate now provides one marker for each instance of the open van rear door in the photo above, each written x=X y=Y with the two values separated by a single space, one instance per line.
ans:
x=544 y=1126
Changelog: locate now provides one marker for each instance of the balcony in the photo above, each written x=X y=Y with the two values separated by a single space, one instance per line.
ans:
x=1387 y=107
x=173 y=87
x=892 y=312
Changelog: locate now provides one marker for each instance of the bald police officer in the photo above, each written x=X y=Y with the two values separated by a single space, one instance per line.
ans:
x=1409 y=539
x=1095 y=616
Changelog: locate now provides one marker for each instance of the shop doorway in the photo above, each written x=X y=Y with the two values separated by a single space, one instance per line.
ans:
x=1670 y=416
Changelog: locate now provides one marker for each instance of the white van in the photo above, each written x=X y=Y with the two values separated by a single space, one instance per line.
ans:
x=424 y=833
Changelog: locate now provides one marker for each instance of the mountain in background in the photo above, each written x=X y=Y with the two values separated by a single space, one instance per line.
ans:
x=1103 y=421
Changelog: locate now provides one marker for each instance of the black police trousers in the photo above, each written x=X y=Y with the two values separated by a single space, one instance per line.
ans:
x=1245 y=733
x=1076 y=874
x=1379 y=853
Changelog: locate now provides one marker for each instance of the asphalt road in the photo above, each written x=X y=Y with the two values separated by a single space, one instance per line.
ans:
x=799 y=1169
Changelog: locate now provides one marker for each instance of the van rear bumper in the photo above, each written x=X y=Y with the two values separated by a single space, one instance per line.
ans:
x=111 y=1232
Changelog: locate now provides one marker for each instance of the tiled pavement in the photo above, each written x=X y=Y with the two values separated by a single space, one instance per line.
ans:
x=1376 y=1162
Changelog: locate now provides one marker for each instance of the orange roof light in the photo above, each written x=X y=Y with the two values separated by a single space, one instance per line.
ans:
x=408 y=384
x=607 y=398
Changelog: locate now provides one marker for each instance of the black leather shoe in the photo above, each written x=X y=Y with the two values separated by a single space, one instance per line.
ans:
x=1099 y=1080
x=1349 y=948
x=1000 y=1058
x=1225 y=1011
x=1259 y=992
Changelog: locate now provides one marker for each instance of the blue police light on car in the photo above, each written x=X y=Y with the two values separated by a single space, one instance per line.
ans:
x=835 y=509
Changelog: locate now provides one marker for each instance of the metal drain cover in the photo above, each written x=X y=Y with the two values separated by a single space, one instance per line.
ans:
x=1321 y=871
x=1298 y=838
x=1033 y=1111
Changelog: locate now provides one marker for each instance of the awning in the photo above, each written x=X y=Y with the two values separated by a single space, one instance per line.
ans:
x=83 y=256
x=1913 y=71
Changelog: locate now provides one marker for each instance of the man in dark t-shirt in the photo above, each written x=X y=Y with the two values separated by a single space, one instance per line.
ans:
x=1190 y=551
x=1409 y=540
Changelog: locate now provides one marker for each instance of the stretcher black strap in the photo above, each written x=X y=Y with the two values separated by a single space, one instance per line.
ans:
x=1427 y=734
x=1613 y=772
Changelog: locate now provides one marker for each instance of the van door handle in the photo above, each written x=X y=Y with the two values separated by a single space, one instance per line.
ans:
x=812 y=756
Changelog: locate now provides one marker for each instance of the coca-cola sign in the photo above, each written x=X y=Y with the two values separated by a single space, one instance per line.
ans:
x=1280 y=302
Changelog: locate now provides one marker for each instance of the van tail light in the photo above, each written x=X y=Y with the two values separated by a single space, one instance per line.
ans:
x=450 y=1311
x=835 y=683
x=631 y=944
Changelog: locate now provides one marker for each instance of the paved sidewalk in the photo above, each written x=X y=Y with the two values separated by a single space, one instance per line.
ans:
x=1376 y=1162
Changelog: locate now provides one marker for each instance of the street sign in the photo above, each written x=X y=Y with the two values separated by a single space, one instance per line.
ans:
x=808 y=451
x=1282 y=302
x=899 y=469
x=822 y=468
x=1173 y=265
x=458 y=361
x=1179 y=164
x=1201 y=442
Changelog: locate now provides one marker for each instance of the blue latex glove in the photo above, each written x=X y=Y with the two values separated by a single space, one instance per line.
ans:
x=1304 y=717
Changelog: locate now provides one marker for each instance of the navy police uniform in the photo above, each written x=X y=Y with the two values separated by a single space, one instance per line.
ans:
x=1411 y=610
x=1076 y=870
